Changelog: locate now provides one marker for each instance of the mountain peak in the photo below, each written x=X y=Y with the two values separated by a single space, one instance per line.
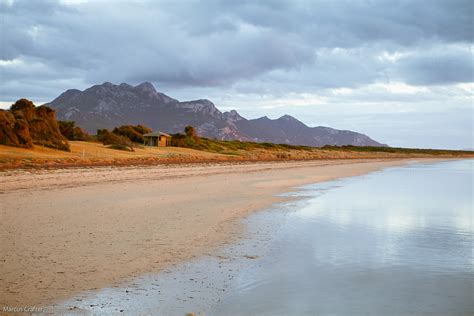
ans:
x=125 y=85
x=288 y=118
x=232 y=116
x=108 y=84
x=202 y=106
x=146 y=86
x=204 y=101
x=290 y=121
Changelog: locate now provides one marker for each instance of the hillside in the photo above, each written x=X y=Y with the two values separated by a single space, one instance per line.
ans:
x=109 y=105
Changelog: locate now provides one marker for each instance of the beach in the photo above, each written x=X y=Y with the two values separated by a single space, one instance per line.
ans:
x=65 y=231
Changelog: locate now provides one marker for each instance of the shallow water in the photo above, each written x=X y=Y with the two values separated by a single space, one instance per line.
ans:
x=393 y=242
x=399 y=241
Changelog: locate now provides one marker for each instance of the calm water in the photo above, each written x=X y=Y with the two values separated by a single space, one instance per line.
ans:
x=399 y=242
x=395 y=242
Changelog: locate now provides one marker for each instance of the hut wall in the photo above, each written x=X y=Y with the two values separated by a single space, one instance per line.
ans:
x=162 y=141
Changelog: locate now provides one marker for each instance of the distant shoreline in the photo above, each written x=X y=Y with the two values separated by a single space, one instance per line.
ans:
x=70 y=230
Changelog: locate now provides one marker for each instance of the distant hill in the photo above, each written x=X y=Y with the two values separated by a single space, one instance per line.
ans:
x=109 y=105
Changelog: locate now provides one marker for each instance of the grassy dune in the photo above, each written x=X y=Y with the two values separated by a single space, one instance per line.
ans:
x=93 y=153
x=205 y=150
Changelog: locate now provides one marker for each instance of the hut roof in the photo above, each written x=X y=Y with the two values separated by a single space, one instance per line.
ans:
x=156 y=134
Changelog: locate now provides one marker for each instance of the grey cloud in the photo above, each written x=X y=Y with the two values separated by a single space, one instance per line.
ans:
x=438 y=67
x=347 y=23
x=221 y=43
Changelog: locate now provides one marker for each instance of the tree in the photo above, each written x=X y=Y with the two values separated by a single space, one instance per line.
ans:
x=190 y=131
x=191 y=134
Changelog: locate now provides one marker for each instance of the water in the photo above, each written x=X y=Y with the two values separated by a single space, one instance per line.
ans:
x=394 y=242
x=397 y=242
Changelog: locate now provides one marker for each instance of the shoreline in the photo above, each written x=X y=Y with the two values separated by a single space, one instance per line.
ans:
x=92 y=232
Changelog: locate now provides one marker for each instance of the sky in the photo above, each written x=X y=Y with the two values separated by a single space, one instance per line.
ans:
x=398 y=71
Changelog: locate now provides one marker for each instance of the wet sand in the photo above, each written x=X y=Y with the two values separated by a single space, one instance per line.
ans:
x=67 y=231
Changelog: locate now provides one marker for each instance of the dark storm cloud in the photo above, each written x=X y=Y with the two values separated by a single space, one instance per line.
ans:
x=220 y=43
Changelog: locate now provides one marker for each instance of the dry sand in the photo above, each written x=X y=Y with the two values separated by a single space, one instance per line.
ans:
x=66 y=231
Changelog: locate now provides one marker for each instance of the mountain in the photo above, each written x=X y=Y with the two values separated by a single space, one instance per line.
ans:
x=109 y=105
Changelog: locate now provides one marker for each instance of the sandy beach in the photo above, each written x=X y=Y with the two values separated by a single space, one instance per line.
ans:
x=65 y=231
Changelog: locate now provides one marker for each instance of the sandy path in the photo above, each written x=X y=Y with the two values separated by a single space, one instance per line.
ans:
x=65 y=231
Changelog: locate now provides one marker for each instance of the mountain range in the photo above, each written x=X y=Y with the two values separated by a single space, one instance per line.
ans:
x=108 y=105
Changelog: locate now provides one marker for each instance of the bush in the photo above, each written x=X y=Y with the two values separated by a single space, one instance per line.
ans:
x=190 y=131
x=24 y=125
x=108 y=138
x=134 y=133
x=142 y=129
x=120 y=147
x=72 y=132
x=177 y=140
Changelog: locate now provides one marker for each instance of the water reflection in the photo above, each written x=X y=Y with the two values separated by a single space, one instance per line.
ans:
x=394 y=242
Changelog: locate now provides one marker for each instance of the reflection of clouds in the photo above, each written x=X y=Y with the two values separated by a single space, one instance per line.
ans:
x=404 y=218
x=463 y=221
x=343 y=219
x=418 y=216
x=392 y=218
x=399 y=222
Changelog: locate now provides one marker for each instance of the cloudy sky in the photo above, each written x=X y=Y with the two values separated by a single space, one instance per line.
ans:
x=399 y=71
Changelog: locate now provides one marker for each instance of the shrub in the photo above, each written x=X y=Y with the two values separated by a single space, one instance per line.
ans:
x=108 y=138
x=134 y=133
x=190 y=131
x=72 y=132
x=121 y=147
x=24 y=125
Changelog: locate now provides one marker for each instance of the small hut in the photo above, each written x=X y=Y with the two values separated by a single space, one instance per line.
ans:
x=158 y=138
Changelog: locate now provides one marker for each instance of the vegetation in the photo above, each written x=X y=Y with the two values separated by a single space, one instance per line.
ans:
x=121 y=147
x=190 y=131
x=133 y=133
x=191 y=140
x=72 y=132
x=222 y=146
x=396 y=150
x=25 y=124
x=232 y=147
x=116 y=141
